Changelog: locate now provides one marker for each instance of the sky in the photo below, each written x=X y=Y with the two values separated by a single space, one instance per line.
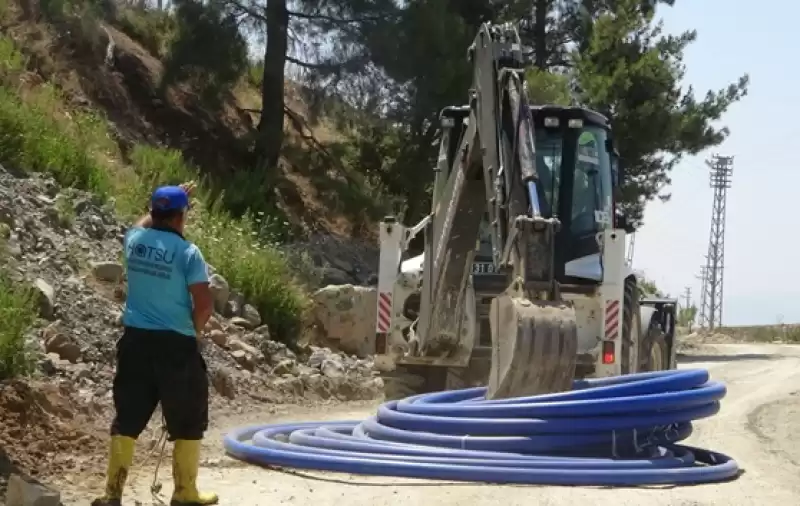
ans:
x=762 y=268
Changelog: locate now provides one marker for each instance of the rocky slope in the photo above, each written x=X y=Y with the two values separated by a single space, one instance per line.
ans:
x=338 y=261
x=67 y=245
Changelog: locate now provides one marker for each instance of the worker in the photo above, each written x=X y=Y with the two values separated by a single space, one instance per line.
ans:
x=158 y=359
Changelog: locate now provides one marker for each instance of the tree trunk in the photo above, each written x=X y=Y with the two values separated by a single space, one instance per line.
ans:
x=270 y=127
x=540 y=12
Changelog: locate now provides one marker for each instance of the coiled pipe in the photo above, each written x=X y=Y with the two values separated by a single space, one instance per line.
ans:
x=619 y=431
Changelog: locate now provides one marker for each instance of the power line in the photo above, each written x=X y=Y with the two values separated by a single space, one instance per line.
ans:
x=720 y=181
x=687 y=297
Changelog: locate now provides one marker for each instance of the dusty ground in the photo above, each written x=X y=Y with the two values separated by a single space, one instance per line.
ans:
x=758 y=425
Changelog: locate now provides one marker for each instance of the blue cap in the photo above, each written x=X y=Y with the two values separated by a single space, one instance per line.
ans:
x=169 y=198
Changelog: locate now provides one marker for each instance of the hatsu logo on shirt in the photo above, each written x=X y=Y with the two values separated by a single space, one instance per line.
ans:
x=150 y=253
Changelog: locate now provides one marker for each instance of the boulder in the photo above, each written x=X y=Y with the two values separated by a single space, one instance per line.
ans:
x=219 y=337
x=63 y=346
x=220 y=291
x=345 y=315
x=108 y=271
x=46 y=298
x=250 y=314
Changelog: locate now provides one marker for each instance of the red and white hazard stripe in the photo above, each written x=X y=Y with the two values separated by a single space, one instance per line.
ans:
x=384 y=311
x=612 y=319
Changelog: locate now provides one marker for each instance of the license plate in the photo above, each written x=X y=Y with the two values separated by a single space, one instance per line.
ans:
x=483 y=268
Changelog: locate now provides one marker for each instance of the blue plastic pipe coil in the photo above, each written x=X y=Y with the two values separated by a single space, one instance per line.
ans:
x=613 y=431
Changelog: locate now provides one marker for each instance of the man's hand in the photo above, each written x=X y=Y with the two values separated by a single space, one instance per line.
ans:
x=188 y=187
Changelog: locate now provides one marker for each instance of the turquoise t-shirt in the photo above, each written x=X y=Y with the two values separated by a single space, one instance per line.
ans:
x=160 y=266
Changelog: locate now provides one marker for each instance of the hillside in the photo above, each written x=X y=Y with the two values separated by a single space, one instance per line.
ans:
x=85 y=134
x=101 y=65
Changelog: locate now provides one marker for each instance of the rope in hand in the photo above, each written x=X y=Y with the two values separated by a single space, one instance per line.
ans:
x=155 y=487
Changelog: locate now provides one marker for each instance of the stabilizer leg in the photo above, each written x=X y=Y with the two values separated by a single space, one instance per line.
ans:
x=534 y=347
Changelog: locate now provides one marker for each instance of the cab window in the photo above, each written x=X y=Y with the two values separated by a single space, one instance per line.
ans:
x=548 y=166
x=592 y=184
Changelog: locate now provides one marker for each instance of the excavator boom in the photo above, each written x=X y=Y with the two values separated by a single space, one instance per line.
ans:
x=534 y=336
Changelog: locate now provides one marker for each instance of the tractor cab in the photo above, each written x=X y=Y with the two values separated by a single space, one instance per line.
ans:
x=578 y=171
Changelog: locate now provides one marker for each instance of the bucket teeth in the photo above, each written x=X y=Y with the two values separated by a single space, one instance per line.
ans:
x=534 y=347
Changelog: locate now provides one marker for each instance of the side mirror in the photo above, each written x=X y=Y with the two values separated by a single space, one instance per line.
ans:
x=621 y=221
x=616 y=170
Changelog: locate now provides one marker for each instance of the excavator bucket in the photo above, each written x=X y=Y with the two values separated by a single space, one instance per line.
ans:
x=534 y=347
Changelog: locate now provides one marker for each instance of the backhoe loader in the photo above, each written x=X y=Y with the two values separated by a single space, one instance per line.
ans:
x=523 y=283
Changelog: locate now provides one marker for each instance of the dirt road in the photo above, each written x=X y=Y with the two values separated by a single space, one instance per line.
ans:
x=759 y=426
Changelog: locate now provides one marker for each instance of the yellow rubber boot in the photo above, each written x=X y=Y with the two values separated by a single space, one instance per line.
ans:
x=185 y=464
x=120 y=458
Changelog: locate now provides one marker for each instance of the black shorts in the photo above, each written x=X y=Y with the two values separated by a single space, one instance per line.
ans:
x=160 y=366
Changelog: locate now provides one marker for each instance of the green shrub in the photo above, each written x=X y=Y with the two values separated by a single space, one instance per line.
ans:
x=255 y=74
x=792 y=335
x=152 y=29
x=18 y=313
x=32 y=141
x=157 y=166
x=258 y=270
x=11 y=60
x=60 y=11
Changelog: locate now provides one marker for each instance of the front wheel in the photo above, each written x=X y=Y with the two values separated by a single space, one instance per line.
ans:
x=401 y=383
x=409 y=380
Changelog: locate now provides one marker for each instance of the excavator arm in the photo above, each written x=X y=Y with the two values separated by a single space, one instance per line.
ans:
x=534 y=337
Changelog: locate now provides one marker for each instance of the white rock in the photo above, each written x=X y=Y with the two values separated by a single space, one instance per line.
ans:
x=108 y=271
x=23 y=493
x=47 y=296
x=250 y=314
x=221 y=290
x=332 y=368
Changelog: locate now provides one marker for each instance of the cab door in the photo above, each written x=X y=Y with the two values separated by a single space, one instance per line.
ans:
x=588 y=208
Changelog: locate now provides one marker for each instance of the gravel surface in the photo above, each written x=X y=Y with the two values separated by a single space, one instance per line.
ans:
x=758 y=426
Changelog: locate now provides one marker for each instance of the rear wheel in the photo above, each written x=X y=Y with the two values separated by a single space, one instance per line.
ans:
x=631 y=325
x=655 y=356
